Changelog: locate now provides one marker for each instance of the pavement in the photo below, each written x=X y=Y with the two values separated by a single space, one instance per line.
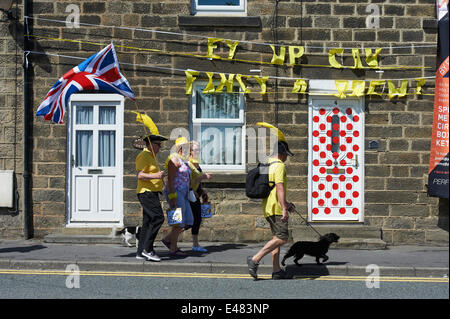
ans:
x=222 y=258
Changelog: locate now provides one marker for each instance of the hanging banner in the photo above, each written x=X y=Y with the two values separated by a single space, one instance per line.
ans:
x=438 y=170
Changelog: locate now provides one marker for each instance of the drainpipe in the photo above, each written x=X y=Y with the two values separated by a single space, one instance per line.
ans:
x=26 y=144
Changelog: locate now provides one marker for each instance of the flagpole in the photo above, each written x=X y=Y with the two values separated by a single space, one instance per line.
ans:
x=27 y=221
x=149 y=141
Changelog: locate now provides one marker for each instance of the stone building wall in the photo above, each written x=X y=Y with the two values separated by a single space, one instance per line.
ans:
x=395 y=172
x=11 y=118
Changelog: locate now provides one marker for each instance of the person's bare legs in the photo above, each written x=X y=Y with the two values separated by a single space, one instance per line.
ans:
x=272 y=246
x=276 y=259
x=172 y=239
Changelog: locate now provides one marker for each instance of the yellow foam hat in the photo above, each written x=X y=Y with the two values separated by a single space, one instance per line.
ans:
x=181 y=141
x=147 y=121
x=275 y=131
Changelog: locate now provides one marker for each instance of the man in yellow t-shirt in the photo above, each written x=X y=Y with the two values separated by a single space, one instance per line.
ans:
x=276 y=210
x=150 y=185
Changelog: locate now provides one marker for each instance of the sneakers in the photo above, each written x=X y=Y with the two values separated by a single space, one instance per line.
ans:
x=280 y=275
x=199 y=249
x=150 y=256
x=252 y=267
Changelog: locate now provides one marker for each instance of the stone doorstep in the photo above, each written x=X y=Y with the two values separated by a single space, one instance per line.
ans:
x=82 y=239
x=351 y=236
x=87 y=231
x=344 y=231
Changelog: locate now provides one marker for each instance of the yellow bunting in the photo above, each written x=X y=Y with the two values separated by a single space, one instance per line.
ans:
x=210 y=86
x=341 y=87
x=420 y=83
x=278 y=59
x=394 y=92
x=232 y=45
x=300 y=86
x=373 y=85
x=262 y=83
x=241 y=82
x=189 y=80
x=372 y=59
x=358 y=88
x=357 y=64
x=295 y=52
x=334 y=64
x=332 y=57
x=211 y=47
x=224 y=81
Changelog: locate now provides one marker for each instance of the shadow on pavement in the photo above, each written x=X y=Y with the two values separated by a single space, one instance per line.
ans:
x=24 y=249
x=211 y=249
x=310 y=271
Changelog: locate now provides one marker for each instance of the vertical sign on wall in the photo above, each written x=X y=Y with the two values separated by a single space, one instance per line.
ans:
x=438 y=171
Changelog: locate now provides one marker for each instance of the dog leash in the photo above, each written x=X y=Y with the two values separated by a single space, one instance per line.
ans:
x=307 y=223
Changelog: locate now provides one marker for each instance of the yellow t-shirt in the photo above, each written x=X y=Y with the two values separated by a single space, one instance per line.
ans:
x=277 y=174
x=147 y=163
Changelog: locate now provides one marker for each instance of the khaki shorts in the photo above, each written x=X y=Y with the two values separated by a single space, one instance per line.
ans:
x=279 y=228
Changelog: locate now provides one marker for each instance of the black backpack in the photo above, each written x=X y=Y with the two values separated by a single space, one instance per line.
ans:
x=257 y=184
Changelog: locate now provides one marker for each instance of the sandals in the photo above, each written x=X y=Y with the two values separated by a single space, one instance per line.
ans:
x=178 y=253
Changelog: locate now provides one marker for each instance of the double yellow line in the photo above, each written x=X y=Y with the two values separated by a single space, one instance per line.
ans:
x=214 y=276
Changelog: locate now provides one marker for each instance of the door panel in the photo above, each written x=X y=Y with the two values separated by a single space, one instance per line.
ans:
x=105 y=193
x=83 y=198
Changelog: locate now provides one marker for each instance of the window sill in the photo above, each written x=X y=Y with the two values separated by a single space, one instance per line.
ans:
x=225 y=180
x=214 y=21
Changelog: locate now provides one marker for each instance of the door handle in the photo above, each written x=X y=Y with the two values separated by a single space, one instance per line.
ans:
x=74 y=162
x=356 y=161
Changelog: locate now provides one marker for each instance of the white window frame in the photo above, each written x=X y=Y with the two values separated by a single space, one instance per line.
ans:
x=199 y=10
x=238 y=122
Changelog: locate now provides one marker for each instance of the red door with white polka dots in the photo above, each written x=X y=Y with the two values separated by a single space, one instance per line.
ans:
x=336 y=160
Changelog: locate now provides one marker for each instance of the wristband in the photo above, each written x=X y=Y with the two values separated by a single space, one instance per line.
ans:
x=172 y=195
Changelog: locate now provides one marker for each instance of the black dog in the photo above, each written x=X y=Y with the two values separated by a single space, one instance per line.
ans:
x=314 y=249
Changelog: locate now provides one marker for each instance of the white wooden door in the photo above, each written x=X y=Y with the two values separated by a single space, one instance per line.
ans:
x=336 y=159
x=96 y=146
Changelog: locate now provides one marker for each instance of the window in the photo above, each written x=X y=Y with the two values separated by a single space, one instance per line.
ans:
x=217 y=122
x=211 y=7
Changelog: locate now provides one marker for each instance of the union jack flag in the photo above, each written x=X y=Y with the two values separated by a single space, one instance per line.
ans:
x=99 y=72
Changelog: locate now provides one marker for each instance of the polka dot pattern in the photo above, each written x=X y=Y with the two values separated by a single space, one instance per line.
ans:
x=336 y=144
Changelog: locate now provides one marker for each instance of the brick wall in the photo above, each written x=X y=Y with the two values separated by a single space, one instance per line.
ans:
x=11 y=118
x=396 y=172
